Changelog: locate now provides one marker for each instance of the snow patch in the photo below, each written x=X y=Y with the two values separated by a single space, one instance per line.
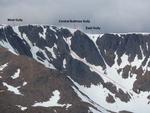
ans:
x=64 y=63
x=34 y=50
x=53 y=101
x=13 y=89
x=68 y=41
x=27 y=39
x=68 y=105
x=87 y=99
x=24 y=83
x=16 y=75
x=16 y=30
x=44 y=33
x=94 y=37
x=51 y=50
x=21 y=107
x=3 y=66
x=8 y=46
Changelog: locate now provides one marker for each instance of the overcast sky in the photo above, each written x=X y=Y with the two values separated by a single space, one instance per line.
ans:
x=111 y=15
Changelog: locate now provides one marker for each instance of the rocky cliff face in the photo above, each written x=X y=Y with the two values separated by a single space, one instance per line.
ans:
x=92 y=72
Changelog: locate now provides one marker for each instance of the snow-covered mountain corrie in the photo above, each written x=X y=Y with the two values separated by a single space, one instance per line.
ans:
x=108 y=72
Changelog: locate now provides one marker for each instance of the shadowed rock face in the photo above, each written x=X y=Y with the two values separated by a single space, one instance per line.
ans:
x=10 y=36
x=85 y=48
x=81 y=73
x=106 y=61
x=130 y=44
x=110 y=99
